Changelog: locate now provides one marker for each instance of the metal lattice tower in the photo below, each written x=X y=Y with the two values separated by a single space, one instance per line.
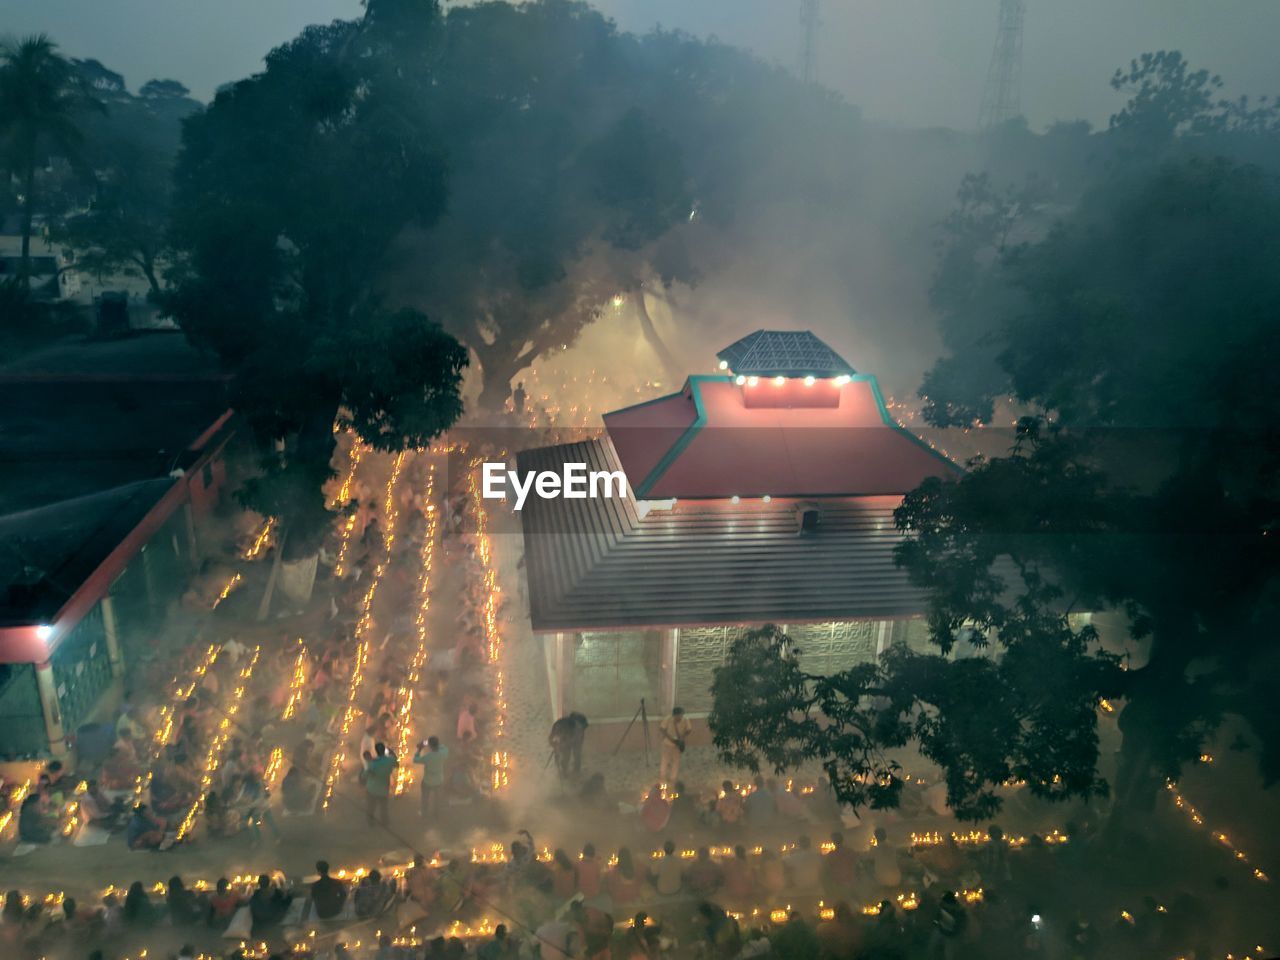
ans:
x=1002 y=96
x=809 y=40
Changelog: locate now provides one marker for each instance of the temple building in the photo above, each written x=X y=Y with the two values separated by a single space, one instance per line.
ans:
x=763 y=494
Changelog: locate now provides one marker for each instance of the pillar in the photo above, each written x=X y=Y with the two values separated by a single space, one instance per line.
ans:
x=148 y=579
x=882 y=639
x=567 y=643
x=111 y=631
x=670 y=657
x=49 y=707
x=193 y=545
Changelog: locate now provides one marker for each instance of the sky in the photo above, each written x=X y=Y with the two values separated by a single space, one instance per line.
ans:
x=913 y=62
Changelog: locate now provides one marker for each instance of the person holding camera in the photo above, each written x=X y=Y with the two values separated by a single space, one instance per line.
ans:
x=675 y=732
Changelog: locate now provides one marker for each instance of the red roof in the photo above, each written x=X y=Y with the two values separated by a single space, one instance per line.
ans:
x=707 y=442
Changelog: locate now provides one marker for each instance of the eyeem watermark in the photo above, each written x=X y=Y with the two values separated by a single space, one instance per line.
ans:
x=574 y=482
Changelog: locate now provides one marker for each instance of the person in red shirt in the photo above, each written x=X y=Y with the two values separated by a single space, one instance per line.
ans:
x=624 y=882
x=595 y=928
x=223 y=904
x=588 y=872
x=655 y=812
x=729 y=805
x=564 y=878
x=703 y=876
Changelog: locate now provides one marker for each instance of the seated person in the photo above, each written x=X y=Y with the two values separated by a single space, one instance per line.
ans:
x=59 y=785
x=729 y=805
x=805 y=866
x=759 y=805
x=327 y=894
x=372 y=896
x=223 y=904
x=144 y=831
x=420 y=881
x=297 y=791
x=120 y=769
x=98 y=810
x=886 y=869
x=268 y=905
x=655 y=812
x=34 y=826
x=165 y=797
x=219 y=821
x=703 y=877
x=667 y=875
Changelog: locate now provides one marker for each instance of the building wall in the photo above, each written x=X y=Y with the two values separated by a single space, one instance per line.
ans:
x=603 y=674
x=81 y=669
x=22 y=732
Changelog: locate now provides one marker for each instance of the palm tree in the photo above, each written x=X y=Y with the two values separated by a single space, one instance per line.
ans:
x=41 y=94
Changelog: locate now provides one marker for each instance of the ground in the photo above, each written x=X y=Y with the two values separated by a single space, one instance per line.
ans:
x=1204 y=889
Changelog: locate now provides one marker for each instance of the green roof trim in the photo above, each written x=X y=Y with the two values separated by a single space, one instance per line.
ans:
x=890 y=422
x=647 y=484
x=686 y=438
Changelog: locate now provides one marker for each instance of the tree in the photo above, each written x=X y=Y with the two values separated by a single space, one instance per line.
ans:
x=1145 y=481
x=42 y=99
x=126 y=226
x=288 y=192
x=555 y=174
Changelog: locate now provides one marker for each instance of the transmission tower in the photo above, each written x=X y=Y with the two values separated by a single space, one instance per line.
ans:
x=809 y=41
x=1002 y=96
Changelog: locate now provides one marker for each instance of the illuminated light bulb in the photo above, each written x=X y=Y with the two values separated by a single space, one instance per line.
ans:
x=842 y=379
x=44 y=631
x=752 y=381
x=724 y=364
x=809 y=381
x=740 y=380
x=779 y=381
x=767 y=499
x=735 y=499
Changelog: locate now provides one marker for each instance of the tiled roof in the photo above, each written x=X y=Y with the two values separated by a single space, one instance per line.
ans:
x=785 y=353
x=597 y=564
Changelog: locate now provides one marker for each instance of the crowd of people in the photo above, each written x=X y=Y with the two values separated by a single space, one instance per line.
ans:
x=717 y=870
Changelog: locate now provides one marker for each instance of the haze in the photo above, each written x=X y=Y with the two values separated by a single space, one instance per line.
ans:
x=914 y=62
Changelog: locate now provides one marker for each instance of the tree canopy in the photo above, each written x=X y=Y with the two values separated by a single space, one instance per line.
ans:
x=289 y=190
x=1136 y=335
x=42 y=102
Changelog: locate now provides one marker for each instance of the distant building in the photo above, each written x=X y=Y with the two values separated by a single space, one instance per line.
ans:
x=112 y=451
x=761 y=495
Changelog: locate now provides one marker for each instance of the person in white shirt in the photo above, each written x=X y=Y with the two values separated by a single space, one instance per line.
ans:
x=233 y=649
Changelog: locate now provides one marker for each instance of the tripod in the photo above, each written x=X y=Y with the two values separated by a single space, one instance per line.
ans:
x=641 y=714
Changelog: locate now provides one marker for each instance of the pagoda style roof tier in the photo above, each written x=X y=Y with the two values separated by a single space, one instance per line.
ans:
x=783 y=353
x=606 y=563
x=709 y=441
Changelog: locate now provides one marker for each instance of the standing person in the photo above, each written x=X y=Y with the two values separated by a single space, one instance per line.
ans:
x=432 y=756
x=675 y=732
x=377 y=784
x=467 y=723
x=566 y=739
x=518 y=397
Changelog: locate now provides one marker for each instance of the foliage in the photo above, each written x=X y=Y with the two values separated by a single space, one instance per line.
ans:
x=289 y=190
x=125 y=228
x=42 y=100
x=1169 y=99
x=1139 y=333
